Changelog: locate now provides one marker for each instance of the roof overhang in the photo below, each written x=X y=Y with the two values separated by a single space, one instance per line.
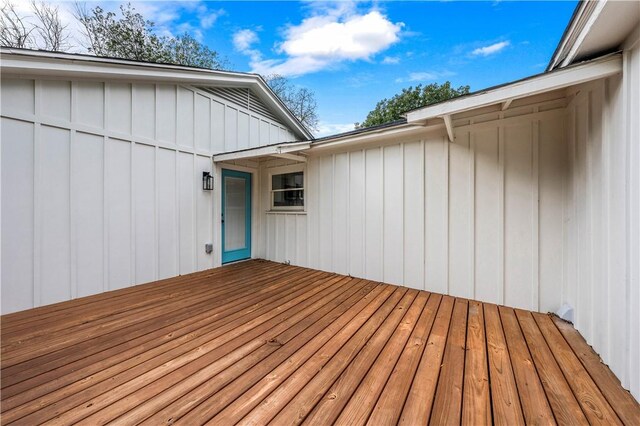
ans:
x=287 y=150
x=505 y=94
x=22 y=62
x=596 y=27
x=374 y=135
x=298 y=151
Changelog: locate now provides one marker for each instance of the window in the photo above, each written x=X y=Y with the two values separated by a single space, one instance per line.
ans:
x=287 y=191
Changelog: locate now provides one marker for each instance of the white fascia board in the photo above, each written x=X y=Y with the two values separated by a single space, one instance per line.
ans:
x=292 y=157
x=580 y=16
x=344 y=142
x=264 y=151
x=17 y=62
x=591 y=18
x=558 y=79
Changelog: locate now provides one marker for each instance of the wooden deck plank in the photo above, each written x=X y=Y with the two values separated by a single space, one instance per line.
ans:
x=566 y=409
x=505 y=398
x=622 y=401
x=389 y=406
x=249 y=399
x=476 y=401
x=593 y=403
x=391 y=331
x=535 y=407
x=90 y=312
x=313 y=315
x=216 y=343
x=111 y=296
x=198 y=323
x=447 y=407
x=188 y=328
x=132 y=330
x=258 y=342
x=417 y=408
x=258 y=381
x=370 y=362
x=17 y=352
x=213 y=323
x=304 y=376
x=253 y=368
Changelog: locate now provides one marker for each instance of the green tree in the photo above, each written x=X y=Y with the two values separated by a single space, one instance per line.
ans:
x=186 y=50
x=300 y=100
x=388 y=110
x=130 y=36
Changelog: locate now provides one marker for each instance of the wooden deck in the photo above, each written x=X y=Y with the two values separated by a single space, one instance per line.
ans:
x=260 y=342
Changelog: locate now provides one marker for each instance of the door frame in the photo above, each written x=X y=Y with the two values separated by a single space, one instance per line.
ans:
x=246 y=252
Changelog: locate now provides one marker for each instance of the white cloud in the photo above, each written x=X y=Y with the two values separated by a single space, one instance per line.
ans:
x=329 y=37
x=390 y=60
x=243 y=39
x=424 y=76
x=356 y=37
x=328 y=129
x=491 y=49
x=209 y=17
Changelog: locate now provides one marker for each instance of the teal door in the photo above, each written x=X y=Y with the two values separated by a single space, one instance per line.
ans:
x=236 y=215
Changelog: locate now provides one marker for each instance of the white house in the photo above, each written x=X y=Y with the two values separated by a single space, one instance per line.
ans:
x=525 y=194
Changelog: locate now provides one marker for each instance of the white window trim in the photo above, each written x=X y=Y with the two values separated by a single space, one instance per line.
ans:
x=282 y=170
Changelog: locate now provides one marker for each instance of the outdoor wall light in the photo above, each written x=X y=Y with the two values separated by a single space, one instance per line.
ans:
x=207 y=181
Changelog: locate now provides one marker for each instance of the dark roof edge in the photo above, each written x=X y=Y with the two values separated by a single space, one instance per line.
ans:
x=565 y=34
x=355 y=132
x=509 y=83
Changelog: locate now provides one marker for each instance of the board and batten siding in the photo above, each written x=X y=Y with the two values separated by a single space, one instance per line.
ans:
x=457 y=218
x=102 y=183
x=283 y=234
x=481 y=217
x=602 y=247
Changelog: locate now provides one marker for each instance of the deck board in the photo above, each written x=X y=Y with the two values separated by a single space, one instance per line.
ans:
x=258 y=342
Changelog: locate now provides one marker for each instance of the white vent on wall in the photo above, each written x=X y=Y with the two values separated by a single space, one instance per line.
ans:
x=243 y=98
x=565 y=312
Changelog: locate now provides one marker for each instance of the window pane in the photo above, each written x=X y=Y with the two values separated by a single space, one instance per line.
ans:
x=288 y=198
x=234 y=213
x=287 y=181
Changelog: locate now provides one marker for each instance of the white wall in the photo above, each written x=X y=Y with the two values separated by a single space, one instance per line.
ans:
x=480 y=218
x=602 y=247
x=283 y=235
x=102 y=183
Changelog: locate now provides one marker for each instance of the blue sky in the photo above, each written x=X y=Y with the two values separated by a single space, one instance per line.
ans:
x=353 y=54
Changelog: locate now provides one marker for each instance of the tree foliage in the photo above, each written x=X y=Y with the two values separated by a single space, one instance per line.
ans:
x=300 y=100
x=186 y=50
x=43 y=30
x=52 y=32
x=130 y=36
x=388 y=110
x=15 y=30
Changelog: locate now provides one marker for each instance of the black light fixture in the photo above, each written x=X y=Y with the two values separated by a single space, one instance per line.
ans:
x=207 y=181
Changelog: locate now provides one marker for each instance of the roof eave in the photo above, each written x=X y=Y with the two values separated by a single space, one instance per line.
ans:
x=541 y=83
x=581 y=15
x=263 y=151
x=38 y=63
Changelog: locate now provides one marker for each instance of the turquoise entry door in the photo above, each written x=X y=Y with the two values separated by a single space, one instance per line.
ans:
x=236 y=215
